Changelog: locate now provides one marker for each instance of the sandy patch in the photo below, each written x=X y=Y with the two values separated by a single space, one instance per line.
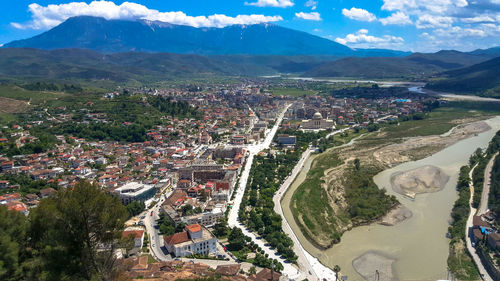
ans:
x=425 y=179
x=368 y=264
x=396 y=215
x=8 y=105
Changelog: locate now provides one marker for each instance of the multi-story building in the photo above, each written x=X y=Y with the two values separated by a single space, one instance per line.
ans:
x=317 y=123
x=194 y=240
x=134 y=191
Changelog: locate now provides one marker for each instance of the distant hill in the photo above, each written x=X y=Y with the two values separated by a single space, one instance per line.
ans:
x=495 y=51
x=417 y=65
x=480 y=79
x=111 y=36
x=78 y=64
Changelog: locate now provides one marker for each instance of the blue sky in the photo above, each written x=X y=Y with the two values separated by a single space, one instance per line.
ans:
x=415 y=25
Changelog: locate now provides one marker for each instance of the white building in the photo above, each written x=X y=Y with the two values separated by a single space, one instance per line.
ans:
x=317 y=123
x=206 y=219
x=134 y=191
x=195 y=240
x=137 y=234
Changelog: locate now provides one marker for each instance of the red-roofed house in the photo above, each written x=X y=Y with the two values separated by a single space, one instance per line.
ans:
x=195 y=240
x=4 y=199
x=18 y=206
x=138 y=237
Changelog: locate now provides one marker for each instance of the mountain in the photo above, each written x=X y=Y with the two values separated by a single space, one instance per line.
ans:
x=20 y=64
x=495 y=51
x=417 y=65
x=111 y=36
x=480 y=79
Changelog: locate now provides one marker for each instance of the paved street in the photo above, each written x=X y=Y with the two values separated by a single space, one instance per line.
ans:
x=310 y=266
x=155 y=239
x=289 y=269
x=468 y=233
x=483 y=206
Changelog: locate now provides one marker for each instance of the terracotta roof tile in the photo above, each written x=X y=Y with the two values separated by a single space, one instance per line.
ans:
x=177 y=238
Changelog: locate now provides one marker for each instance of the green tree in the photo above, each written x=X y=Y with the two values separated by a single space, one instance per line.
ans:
x=220 y=228
x=336 y=269
x=252 y=270
x=76 y=233
x=356 y=164
x=13 y=226
x=187 y=210
x=236 y=239
x=135 y=208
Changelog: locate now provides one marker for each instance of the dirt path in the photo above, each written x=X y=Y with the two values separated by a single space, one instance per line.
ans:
x=483 y=206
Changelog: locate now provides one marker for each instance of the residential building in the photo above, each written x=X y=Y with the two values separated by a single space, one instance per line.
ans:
x=138 y=237
x=194 y=240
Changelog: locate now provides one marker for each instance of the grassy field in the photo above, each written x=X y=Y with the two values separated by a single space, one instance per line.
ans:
x=318 y=218
x=438 y=122
x=5 y=118
x=293 y=92
x=34 y=97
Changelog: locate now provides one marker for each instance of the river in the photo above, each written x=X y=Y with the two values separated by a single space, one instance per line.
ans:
x=418 y=245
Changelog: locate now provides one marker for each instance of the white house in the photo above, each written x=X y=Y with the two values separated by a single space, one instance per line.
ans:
x=138 y=237
x=195 y=240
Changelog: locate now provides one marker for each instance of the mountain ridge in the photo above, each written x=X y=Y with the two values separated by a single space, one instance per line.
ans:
x=113 y=36
x=416 y=65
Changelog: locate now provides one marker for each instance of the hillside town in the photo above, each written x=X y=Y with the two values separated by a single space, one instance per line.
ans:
x=180 y=182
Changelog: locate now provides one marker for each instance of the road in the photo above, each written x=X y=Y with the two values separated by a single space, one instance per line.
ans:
x=155 y=239
x=468 y=233
x=233 y=221
x=483 y=206
x=310 y=266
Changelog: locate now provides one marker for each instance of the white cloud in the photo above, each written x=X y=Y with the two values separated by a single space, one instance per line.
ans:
x=52 y=15
x=358 y=14
x=433 y=21
x=436 y=6
x=313 y=4
x=361 y=39
x=478 y=19
x=309 y=16
x=398 y=18
x=271 y=3
x=458 y=32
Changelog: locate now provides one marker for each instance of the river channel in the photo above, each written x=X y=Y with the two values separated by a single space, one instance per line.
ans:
x=418 y=246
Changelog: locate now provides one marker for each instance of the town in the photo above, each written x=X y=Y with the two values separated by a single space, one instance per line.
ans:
x=182 y=176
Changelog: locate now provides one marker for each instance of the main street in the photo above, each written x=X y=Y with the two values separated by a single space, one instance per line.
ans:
x=233 y=221
x=155 y=239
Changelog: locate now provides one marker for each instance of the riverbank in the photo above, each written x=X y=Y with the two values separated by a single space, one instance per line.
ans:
x=332 y=181
x=342 y=254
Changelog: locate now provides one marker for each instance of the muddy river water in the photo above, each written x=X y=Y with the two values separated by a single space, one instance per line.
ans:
x=418 y=246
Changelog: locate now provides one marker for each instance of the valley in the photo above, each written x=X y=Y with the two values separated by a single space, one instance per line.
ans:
x=264 y=140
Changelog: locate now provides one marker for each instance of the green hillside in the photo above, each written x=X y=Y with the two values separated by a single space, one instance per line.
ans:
x=418 y=65
x=481 y=79
x=85 y=65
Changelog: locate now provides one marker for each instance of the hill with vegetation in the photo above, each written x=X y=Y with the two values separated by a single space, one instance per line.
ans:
x=418 y=65
x=79 y=64
x=481 y=79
